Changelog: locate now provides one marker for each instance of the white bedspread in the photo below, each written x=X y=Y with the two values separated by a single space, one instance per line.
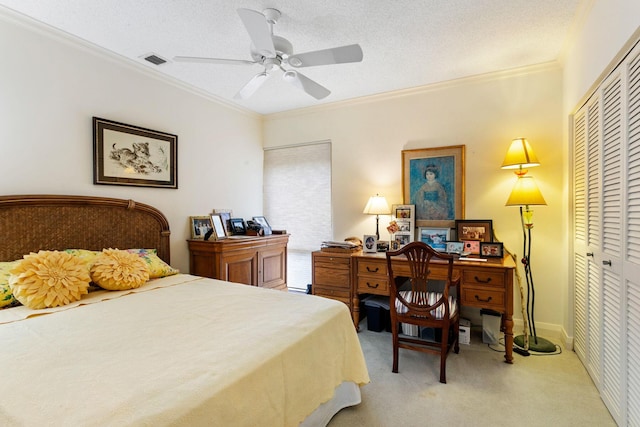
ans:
x=182 y=350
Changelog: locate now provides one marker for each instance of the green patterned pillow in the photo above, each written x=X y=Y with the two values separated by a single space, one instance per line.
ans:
x=157 y=267
x=6 y=296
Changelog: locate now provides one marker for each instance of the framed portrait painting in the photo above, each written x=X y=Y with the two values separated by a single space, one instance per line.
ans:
x=130 y=155
x=433 y=181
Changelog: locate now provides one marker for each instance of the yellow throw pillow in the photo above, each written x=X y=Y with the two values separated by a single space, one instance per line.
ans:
x=6 y=296
x=117 y=270
x=157 y=267
x=49 y=279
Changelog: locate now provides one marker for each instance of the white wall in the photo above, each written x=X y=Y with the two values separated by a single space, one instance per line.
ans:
x=484 y=114
x=51 y=87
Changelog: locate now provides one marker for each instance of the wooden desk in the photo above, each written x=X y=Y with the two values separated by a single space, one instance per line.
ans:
x=487 y=284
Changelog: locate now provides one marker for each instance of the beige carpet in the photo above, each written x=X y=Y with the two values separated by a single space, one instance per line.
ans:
x=481 y=389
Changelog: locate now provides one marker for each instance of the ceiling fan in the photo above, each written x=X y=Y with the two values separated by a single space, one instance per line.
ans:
x=275 y=52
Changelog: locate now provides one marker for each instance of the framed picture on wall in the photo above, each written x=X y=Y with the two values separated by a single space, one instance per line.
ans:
x=130 y=155
x=433 y=181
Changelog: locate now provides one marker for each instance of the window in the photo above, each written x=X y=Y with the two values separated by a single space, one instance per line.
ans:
x=297 y=198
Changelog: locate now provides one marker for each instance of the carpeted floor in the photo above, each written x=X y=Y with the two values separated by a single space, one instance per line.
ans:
x=481 y=390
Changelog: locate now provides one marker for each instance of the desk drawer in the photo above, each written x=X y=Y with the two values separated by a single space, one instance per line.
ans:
x=477 y=277
x=373 y=284
x=332 y=261
x=373 y=266
x=333 y=294
x=332 y=277
x=482 y=297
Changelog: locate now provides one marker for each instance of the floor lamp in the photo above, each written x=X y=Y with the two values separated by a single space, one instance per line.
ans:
x=525 y=193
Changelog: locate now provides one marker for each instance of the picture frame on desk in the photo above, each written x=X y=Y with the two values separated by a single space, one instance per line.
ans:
x=491 y=250
x=405 y=218
x=433 y=181
x=472 y=247
x=369 y=243
x=200 y=225
x=436 y=237
x=474 y=229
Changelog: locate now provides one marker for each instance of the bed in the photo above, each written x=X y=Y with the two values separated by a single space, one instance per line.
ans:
x=178 y=350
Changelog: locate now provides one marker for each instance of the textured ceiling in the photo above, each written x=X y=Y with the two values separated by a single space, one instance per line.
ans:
x=406 y=43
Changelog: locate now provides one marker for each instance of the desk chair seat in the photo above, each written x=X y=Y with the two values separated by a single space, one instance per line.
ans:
x=426 y=301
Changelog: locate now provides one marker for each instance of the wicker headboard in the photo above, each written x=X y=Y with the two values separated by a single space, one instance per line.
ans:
x=29 y=223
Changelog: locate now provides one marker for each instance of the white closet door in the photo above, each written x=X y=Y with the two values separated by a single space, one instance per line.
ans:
x=612 y=238
x=631 y=265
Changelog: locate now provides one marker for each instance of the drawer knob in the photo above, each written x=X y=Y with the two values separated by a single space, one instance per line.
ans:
x=483 y=300
x=370 y=270
x=607 y=262
x=479 y=280
x=372 y=286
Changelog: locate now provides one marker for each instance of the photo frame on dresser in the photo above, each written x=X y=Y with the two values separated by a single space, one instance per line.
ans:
x=225 y=216
x=200 y=226
x=219 y=231
x=237 y=226
x=436 y=237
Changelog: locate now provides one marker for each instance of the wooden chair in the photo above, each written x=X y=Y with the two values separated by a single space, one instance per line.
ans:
x=419 y=298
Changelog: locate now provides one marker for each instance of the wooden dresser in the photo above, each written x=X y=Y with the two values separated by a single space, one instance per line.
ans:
x=483 y=284
x=257 y=261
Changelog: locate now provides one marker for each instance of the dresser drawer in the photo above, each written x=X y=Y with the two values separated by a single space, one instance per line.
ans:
x=472 y=277
x=482 y=297
x=369 y=284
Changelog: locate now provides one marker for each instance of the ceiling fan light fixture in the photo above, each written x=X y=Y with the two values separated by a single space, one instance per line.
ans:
x=290 y=75
x=295 y=61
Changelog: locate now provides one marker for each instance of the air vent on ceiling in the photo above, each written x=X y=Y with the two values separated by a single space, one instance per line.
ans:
x=154 y=59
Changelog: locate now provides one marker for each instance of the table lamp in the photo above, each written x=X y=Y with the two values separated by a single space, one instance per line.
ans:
x=377 y=205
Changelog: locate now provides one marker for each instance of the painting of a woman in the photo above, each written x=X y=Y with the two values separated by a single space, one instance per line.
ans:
x=431 y=198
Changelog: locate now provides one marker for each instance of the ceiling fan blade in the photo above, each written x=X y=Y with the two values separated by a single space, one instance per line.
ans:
x=252 y=86
x=258 y=29
x=306 y=84
x=197 y=59
x=336 y=55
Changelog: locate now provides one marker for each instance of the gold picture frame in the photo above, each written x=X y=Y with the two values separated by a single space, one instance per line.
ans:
x=433 y=181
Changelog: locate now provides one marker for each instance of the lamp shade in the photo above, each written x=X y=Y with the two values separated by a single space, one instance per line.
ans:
x=520 y=155
x=525 y=192
x=377 y=205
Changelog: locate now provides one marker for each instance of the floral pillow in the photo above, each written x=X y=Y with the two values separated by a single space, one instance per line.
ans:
x=117 y=270
x=157 y=267
x=6 y=295
x=49 y=279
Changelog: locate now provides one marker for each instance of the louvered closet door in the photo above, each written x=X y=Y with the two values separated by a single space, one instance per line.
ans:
x=611 y=244
x=606 y=184
x=631 y=264
x=587 y=230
